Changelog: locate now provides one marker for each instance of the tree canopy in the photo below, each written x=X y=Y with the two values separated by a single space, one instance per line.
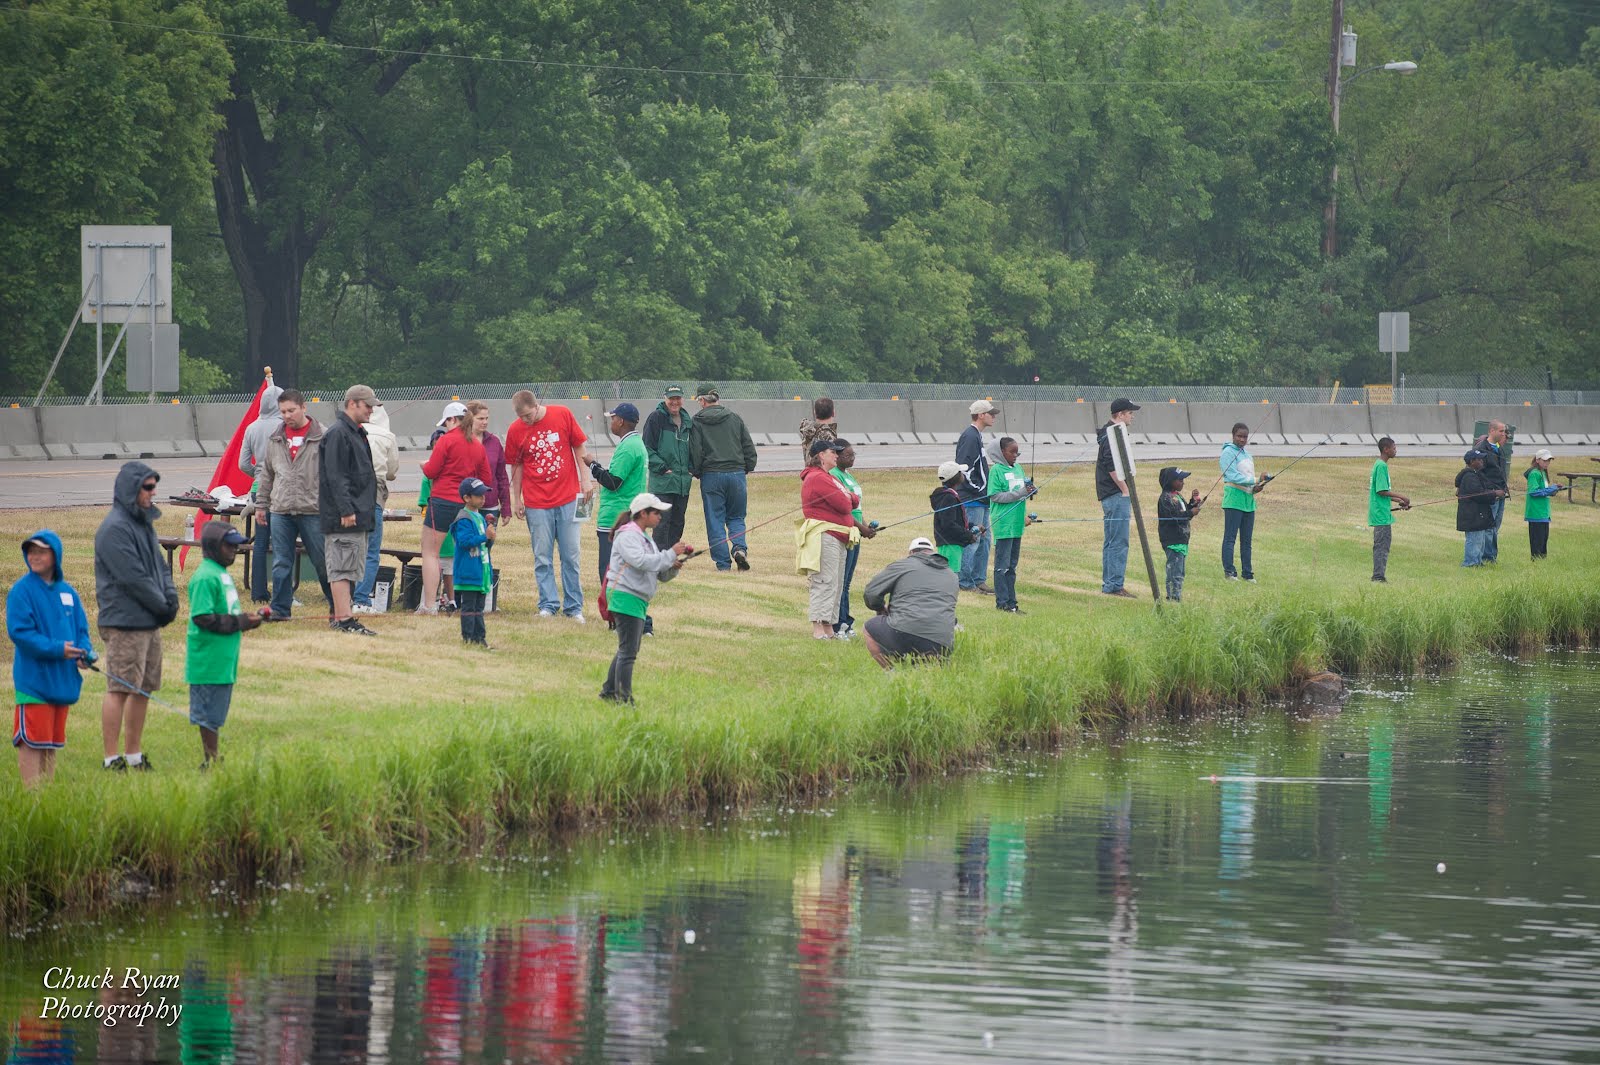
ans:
x=916 y=190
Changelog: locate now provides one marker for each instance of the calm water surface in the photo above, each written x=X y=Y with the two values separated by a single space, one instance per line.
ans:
x=1255 y=889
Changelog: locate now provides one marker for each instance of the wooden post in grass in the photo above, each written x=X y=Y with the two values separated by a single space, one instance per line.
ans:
x=1124 y=464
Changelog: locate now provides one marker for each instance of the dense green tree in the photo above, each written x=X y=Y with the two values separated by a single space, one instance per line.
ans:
x=104 y=124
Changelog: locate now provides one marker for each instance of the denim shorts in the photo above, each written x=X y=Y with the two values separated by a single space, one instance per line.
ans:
x=208 y=705
x=441 y=514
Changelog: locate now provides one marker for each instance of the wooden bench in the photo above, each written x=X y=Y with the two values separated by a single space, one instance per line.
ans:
x=172 y=544
x=1574 y=478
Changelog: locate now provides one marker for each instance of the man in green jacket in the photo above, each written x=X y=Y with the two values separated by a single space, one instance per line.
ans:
x=721 y=453
x=666 y=441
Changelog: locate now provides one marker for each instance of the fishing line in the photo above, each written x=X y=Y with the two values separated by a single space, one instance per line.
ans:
x=136 y=689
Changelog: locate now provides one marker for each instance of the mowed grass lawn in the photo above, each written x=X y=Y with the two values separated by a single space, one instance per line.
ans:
x=340 y=745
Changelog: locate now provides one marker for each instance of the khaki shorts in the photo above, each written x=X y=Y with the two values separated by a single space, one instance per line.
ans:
x=134 y=655
x=345 y=556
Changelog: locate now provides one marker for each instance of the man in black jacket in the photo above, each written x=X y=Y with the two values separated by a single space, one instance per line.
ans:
x=1115 y=506
x=1493 y=445
x=136 y=599
x=347 y=496
x=974 y=490
x=1475 y=499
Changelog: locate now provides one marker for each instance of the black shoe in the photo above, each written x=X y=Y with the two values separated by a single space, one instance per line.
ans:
x=142 y=765
x=1013 y=610
x=118 y=764
x=278 y=617
x=1380 y=580
x=352 y=626
x=983 y=588
x=741 y=560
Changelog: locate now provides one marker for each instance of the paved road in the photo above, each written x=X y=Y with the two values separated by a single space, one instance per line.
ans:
x=25 y=485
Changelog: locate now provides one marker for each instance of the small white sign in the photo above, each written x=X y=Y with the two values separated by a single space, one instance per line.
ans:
x=1116 y=455
x=1394 y=331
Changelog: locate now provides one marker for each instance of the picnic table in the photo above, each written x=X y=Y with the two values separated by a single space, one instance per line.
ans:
x=1574 y=478
x=209 y=506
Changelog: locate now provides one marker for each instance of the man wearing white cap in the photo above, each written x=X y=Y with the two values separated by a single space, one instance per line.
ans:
x=915 y=598
x=637 y=567
x=974 y=491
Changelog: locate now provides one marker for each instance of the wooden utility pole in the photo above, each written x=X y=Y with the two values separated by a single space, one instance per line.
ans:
x=1119 y=440
x=1330 y=213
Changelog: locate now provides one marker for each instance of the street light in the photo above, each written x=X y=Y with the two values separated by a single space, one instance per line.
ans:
x=1344 y=54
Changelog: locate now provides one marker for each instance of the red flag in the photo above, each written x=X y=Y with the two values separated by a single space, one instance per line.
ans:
x=228 y=471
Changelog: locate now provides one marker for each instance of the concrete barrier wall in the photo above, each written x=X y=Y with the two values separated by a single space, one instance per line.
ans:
x=1412 y=419
x=1572 y=421
x=874 y=416
x=1320 y=419
x=1526 y=419
x=19 y=434
x=1214 y=421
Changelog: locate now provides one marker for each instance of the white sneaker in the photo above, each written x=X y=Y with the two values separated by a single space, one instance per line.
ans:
x=579 y=618
x=365 y=608
x=296 y=603
x=547 y=613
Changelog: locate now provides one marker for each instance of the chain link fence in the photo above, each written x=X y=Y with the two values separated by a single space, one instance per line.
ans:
x=1532 y=387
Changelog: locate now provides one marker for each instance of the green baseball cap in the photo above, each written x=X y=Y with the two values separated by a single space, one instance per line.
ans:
x=673 y=391
x=707 y=391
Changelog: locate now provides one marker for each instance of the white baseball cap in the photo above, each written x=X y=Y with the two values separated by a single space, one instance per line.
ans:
x=1543 y=454
x=982 y=406
x=921 y=543
x=646 y=501
x=451 y=410
x=948 y=470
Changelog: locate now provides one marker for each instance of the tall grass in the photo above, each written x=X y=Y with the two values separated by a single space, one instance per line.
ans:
x=339 y=757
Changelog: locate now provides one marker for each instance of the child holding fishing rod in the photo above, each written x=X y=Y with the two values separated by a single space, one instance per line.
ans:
x=636 y=569
x=1174 y=514
x=49 y=634
x=1240 y=487
x=1380 y=515
x=1536 y=503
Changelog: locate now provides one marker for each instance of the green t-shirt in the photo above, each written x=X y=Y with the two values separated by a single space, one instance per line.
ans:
x=620 y=602
x=952 y=555
x=213 y=658
x=1006 y=519
x=850 y=485
x=630 y=464
x=1378 y=512
x=1536 y=509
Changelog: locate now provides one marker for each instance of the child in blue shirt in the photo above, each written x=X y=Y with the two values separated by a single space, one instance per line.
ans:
x=50 y=635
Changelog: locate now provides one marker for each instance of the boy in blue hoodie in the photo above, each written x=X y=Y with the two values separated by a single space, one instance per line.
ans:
x=50 y=635
x=473 y=534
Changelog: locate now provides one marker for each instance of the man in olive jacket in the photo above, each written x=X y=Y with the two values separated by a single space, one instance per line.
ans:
x=136 y=599
x=666 y=440
x=721 y=453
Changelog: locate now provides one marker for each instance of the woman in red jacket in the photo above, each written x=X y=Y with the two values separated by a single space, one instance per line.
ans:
x=822 y=497
x=458 y=455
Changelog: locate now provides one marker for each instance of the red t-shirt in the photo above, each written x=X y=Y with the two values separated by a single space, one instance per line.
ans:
x=544 y=451
x=295 y=437
x=454 y=459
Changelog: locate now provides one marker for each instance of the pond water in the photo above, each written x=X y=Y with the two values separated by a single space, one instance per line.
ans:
x=1416 y=878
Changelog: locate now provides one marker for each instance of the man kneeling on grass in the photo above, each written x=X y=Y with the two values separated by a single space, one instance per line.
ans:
x=216 y=623
x=916 y=603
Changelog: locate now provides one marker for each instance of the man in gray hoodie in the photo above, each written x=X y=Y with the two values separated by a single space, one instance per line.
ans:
x=136 y=599
x=251 y=454
x=916 y=603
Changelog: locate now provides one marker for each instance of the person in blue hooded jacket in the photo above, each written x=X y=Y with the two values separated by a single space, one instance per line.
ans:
x=50 y=638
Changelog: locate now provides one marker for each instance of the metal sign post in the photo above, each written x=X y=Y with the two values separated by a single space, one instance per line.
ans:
x=1394 y=336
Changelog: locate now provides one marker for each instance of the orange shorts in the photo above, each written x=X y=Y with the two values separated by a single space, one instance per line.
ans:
x=42 y=726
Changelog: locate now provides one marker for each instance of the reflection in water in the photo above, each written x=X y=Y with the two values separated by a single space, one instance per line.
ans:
x=1109 y=905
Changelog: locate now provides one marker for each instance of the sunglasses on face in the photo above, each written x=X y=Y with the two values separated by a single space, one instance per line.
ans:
x=149 y=487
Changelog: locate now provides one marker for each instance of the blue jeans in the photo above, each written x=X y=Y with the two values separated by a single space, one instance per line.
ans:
x=1176 y=562
x=723 y=497
x=1240 y=524
x=1114 y=552
x=851 y=557
x=260 y=563
x=1006 y=554
x=551 y=529
x=1491 y=552
x=1477 y=545
x=285 y=527
x=975 y=557
x=369 y=580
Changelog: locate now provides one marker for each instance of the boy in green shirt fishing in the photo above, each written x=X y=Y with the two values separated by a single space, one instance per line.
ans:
x=216 y=627
x=1380 y=515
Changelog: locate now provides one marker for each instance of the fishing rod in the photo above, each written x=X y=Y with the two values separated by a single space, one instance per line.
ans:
x=106 y=673
x=1033 y=435
x=1328 y=439
x=1447 y=499
x=1232 y=464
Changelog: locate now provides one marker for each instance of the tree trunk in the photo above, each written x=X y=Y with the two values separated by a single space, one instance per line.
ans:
x=268 y=263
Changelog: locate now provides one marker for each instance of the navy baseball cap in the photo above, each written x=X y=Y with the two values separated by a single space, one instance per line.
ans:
x=1473 y=455
x=626 y=411
x=471 y=486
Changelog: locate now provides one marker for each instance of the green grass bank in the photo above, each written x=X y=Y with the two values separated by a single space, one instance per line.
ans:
x=353 y=750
